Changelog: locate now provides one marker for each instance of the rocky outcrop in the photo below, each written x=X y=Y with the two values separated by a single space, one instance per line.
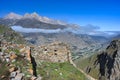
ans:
x=109 y=62
x=18 y=60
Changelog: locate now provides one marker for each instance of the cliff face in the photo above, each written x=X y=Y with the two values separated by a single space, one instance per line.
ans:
x=109 y=62
x=105 y=65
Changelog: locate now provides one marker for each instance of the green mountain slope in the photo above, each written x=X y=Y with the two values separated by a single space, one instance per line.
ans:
x=8 y=35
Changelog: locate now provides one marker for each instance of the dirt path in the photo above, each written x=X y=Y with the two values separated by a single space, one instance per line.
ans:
x=88 y=76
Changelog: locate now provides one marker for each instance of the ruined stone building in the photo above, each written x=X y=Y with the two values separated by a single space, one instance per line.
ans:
x=54 y=52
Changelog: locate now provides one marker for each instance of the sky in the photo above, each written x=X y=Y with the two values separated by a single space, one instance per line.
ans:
x=102 y=13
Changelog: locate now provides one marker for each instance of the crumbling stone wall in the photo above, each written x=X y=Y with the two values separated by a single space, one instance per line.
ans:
x=54 y=52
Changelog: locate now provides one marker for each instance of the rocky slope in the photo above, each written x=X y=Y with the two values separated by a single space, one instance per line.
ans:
x=109 y=61
x=15 y=57
x=8 y=35
x=104 y=66
x=16 y=62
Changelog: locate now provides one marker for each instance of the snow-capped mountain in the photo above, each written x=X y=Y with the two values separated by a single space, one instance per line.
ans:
x=13 y=16
x=33 y=16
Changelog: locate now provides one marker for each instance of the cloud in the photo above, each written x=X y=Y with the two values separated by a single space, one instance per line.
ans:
x=34 y=30
x=104 y=33
x=88 y=29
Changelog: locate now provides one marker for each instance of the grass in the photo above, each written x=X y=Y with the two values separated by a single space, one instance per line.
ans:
x=59 y=71
x=3 y=29
x=4 y=71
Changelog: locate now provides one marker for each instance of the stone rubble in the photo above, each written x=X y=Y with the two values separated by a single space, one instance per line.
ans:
x=19 y=58
x=9 y=53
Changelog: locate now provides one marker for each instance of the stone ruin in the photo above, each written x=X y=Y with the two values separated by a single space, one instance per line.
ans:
x=54 y=52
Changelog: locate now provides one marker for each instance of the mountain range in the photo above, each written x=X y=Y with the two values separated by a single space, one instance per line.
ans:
x=49 y=30
x=35 y=16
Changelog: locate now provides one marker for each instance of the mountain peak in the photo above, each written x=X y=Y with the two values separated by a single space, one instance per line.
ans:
x=34 y=15
x=13 y=16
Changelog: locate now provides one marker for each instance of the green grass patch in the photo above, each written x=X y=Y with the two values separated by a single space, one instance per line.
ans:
x=59 y=71
x=4 y=71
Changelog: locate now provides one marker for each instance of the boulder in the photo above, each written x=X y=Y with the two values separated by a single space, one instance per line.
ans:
x=12 y=69
x=13 y=74
x=19 y=76
x=7 y=59
x=13 y=56
x=33 y=78
x=1 y=53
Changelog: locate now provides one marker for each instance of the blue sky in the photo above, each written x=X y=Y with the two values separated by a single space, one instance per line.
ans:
x=102 y=13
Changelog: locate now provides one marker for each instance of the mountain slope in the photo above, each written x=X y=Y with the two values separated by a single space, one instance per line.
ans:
x=116 y=37
x=103 y=66
x=8 y=35
x=34 y=23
